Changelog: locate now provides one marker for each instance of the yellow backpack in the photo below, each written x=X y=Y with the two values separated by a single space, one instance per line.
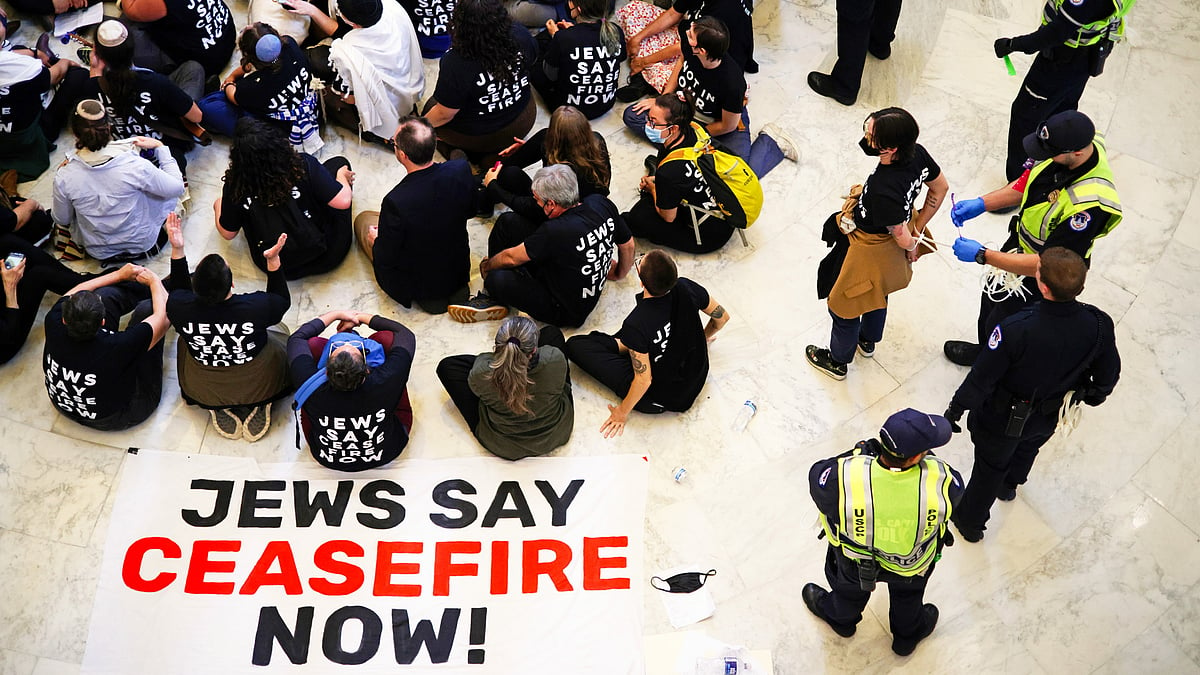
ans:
x=733 y=184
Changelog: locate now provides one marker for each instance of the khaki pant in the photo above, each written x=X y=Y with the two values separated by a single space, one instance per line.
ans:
x=362 y=226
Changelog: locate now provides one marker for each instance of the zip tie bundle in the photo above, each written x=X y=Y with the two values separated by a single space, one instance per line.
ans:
x=1000 y=285
x=1069 y=414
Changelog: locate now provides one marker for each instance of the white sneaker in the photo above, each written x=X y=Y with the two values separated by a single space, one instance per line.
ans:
x=783 y=140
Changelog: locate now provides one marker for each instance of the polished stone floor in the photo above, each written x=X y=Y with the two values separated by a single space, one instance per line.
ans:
x=1094 y=568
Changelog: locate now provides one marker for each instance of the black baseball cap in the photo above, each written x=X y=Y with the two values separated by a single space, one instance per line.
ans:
x=1067 y=131
x=910 y=432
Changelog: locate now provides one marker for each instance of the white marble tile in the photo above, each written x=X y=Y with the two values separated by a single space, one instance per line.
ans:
x=1158 y=90
x=1150 y=652
x=16 y=663
x=1165 y=478
x=1179 y=623
x=48 y=589
x=1188 y=231
x=55 y=667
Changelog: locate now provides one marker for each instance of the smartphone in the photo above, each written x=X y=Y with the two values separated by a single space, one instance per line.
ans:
x=13 y=260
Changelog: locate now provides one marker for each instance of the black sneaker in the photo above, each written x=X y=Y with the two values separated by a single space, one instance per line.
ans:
x=812 y=595
x=1007 y=494
x=961 y=353
x=823 y=361
x=929 y=619
x=227 y=424
x=479 y=308
x=971 y=534
x=258 y=423
x=637 y=88
x=865 y=348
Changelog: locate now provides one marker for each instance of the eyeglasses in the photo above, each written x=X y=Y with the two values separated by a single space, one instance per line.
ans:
x=656 y=125
x=357 y=344
x=637 y=264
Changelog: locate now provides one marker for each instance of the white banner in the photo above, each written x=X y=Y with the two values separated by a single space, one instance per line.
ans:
x=221 y=565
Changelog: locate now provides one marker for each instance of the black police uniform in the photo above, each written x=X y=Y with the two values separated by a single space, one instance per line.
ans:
x=845 y=603
x=1036 y=355
x=1057 y=77
x=1052 y=179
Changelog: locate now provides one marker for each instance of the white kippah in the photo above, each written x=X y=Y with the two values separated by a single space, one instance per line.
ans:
x=111 y=33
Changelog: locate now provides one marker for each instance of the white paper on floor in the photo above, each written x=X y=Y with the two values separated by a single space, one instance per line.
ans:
x=685 y=609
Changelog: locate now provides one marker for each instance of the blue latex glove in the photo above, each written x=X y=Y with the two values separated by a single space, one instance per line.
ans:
x=966 y=210
x=966 y=249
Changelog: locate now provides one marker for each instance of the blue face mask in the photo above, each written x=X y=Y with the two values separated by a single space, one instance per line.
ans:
x=654 y=134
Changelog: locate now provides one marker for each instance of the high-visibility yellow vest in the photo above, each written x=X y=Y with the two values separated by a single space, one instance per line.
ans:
x=1095 y=188
x=894 y=517
x=1091 y=33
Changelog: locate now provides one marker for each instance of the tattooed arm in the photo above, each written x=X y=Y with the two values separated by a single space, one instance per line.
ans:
x=617 y=414
x=718 y=316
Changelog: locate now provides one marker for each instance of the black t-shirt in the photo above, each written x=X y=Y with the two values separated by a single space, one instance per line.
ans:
x=266 y=92
x=310 y=201
x=196 y=30
x=534 y=151
x=229 y=333
x=354 y=430
x=422 y=251
x=680 y=180
x=888 y=194
x=716 y=89
x=431 y=19
x=668 y=331
x=588 y=72
x=485 y=105
x=737 y=17
x=21 y=103
x=154 y=99
x=573 y=253
x=93 y=379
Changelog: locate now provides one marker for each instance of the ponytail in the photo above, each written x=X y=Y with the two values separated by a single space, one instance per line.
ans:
x=680 y=107
x=516 y=340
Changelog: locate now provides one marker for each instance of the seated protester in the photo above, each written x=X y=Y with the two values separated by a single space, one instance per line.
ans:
x=232 y=352
x=373 y=73
x=168 y=33
x=96 y=374
x=355 y=413
x=581 y=64
x=28 y=128
x=568 y=140
x=639 y=363
x=272 y=83
x=270 y=189
x=25 y=219
x=431 y=19
x=659 y=214
x=483 y=99
x=646 y=79
x=718 y=88
x=516 y=399
x=140 y=102
x=553 y=271
x=25 y=283
x=113 y=198
x=418 y=241
x=275 y=14
x=735 y=14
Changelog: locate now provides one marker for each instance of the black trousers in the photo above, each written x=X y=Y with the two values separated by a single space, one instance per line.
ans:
x=1053 y=84
x=999 y=461
x=597 y=355
x=520 y=286
x=846 y=600
x=453 y=372
x=515 y=181
x=644 y=222
x=42 y=273
x=861 y=24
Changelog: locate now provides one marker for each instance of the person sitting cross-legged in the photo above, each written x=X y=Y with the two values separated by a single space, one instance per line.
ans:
x=232 y=352
x=659 y=359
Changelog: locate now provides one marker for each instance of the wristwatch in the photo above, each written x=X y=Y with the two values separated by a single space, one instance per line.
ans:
x=981 y=256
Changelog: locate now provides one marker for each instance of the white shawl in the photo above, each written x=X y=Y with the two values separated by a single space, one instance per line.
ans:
x=382 y=66
x=17 y=68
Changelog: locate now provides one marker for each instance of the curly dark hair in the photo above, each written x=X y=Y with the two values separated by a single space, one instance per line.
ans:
x=262 y=163
x=481 y=31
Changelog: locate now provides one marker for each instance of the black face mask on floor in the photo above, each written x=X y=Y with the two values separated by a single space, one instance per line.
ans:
x=684 y=582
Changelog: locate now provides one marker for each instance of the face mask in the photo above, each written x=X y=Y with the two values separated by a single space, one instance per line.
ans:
x=684 y=582
x=867 y=149
x=655 y=134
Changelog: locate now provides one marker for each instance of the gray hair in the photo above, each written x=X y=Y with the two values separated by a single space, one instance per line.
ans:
x=516 y=341
x=557 y=183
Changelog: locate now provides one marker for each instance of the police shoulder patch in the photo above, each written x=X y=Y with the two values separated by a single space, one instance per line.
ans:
x=1076 y=2
x=1079 y=221
x=824 y=476
x=994 y=340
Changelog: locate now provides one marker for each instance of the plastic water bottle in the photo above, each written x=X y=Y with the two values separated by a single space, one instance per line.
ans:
x=744 y=415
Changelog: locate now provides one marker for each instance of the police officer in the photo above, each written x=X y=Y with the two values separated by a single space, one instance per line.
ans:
x=1074 y=39
x=1017 y=385
x=863 y=26
x=1067 y=199
x=875 y=501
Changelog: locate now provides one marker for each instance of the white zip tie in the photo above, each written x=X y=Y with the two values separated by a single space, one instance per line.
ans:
x=1069 y=415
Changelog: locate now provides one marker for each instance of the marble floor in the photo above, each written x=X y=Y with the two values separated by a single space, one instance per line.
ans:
x=1094 y=568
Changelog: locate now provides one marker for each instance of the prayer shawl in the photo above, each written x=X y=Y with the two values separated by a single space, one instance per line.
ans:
x=382 y=66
